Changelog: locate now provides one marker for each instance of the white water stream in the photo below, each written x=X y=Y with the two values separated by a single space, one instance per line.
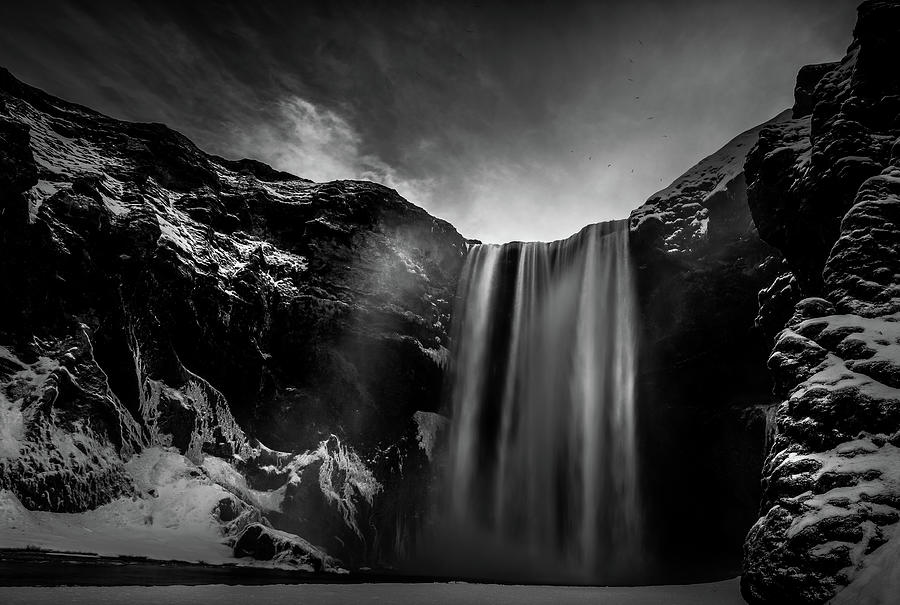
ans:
x=543 y=451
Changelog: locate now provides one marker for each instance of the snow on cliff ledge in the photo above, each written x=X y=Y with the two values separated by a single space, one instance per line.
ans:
x=680 y=214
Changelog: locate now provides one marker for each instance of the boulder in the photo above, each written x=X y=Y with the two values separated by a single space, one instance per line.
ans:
x=267 y=544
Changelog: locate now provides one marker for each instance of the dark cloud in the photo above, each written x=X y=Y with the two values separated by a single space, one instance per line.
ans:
x=500 y=116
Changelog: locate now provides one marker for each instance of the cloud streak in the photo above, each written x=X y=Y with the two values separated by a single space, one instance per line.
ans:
x=512 y=120
x=318 y=143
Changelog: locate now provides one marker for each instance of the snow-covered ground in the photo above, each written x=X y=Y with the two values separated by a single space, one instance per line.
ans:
x=718 y=593
x=174 y=521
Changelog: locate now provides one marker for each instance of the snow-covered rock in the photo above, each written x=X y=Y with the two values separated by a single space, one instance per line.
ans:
x=267 y=544
x=155 y=296
x=803 y=180
x=708 y=203
x=830 y=201
x=63 y=433
x=701 y=267
x=832 y=479
x=172 y=514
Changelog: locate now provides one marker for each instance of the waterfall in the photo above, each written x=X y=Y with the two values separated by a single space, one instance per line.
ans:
x=542 y=445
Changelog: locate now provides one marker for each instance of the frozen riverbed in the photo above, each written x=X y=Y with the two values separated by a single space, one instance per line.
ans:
x=717 y=593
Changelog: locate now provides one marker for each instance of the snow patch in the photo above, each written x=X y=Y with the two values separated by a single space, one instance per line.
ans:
x=57 y=153
x=440 y=356
x=879 y=581
x=683 y=206
x=857 y=458
x=343 y=478
x=428 y=425
x=173 y=520
x=12 y=428
x=228 y=477
x=37 y=195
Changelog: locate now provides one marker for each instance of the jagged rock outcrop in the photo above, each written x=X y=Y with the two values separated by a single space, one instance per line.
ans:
x=62 y=429
x=155 y=295
x=802 y=185
x=703 y=382
x=830 y=201
x=267 y=544
x=704 y=209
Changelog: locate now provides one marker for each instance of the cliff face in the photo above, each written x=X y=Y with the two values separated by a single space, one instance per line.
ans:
x=155 y=295
x=830 y=201
x=703 y=383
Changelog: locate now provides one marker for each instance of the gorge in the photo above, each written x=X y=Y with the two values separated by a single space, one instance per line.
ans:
x=211 y=359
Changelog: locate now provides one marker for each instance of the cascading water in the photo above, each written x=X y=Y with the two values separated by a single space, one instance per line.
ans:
x=542 y=450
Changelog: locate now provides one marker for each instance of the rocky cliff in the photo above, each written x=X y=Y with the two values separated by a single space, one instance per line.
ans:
x=703 y=385
x=803 y=210
x=194 y=346
x=155 y=296
x=829 y=199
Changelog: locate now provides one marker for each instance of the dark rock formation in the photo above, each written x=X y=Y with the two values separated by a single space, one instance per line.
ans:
x=63 y=429
x=830 y=201
x=701 y=267
x=802 y=185
x=267 y=544
x=158 y=295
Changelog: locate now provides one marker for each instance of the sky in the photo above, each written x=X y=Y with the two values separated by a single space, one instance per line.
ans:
x=513 y=120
